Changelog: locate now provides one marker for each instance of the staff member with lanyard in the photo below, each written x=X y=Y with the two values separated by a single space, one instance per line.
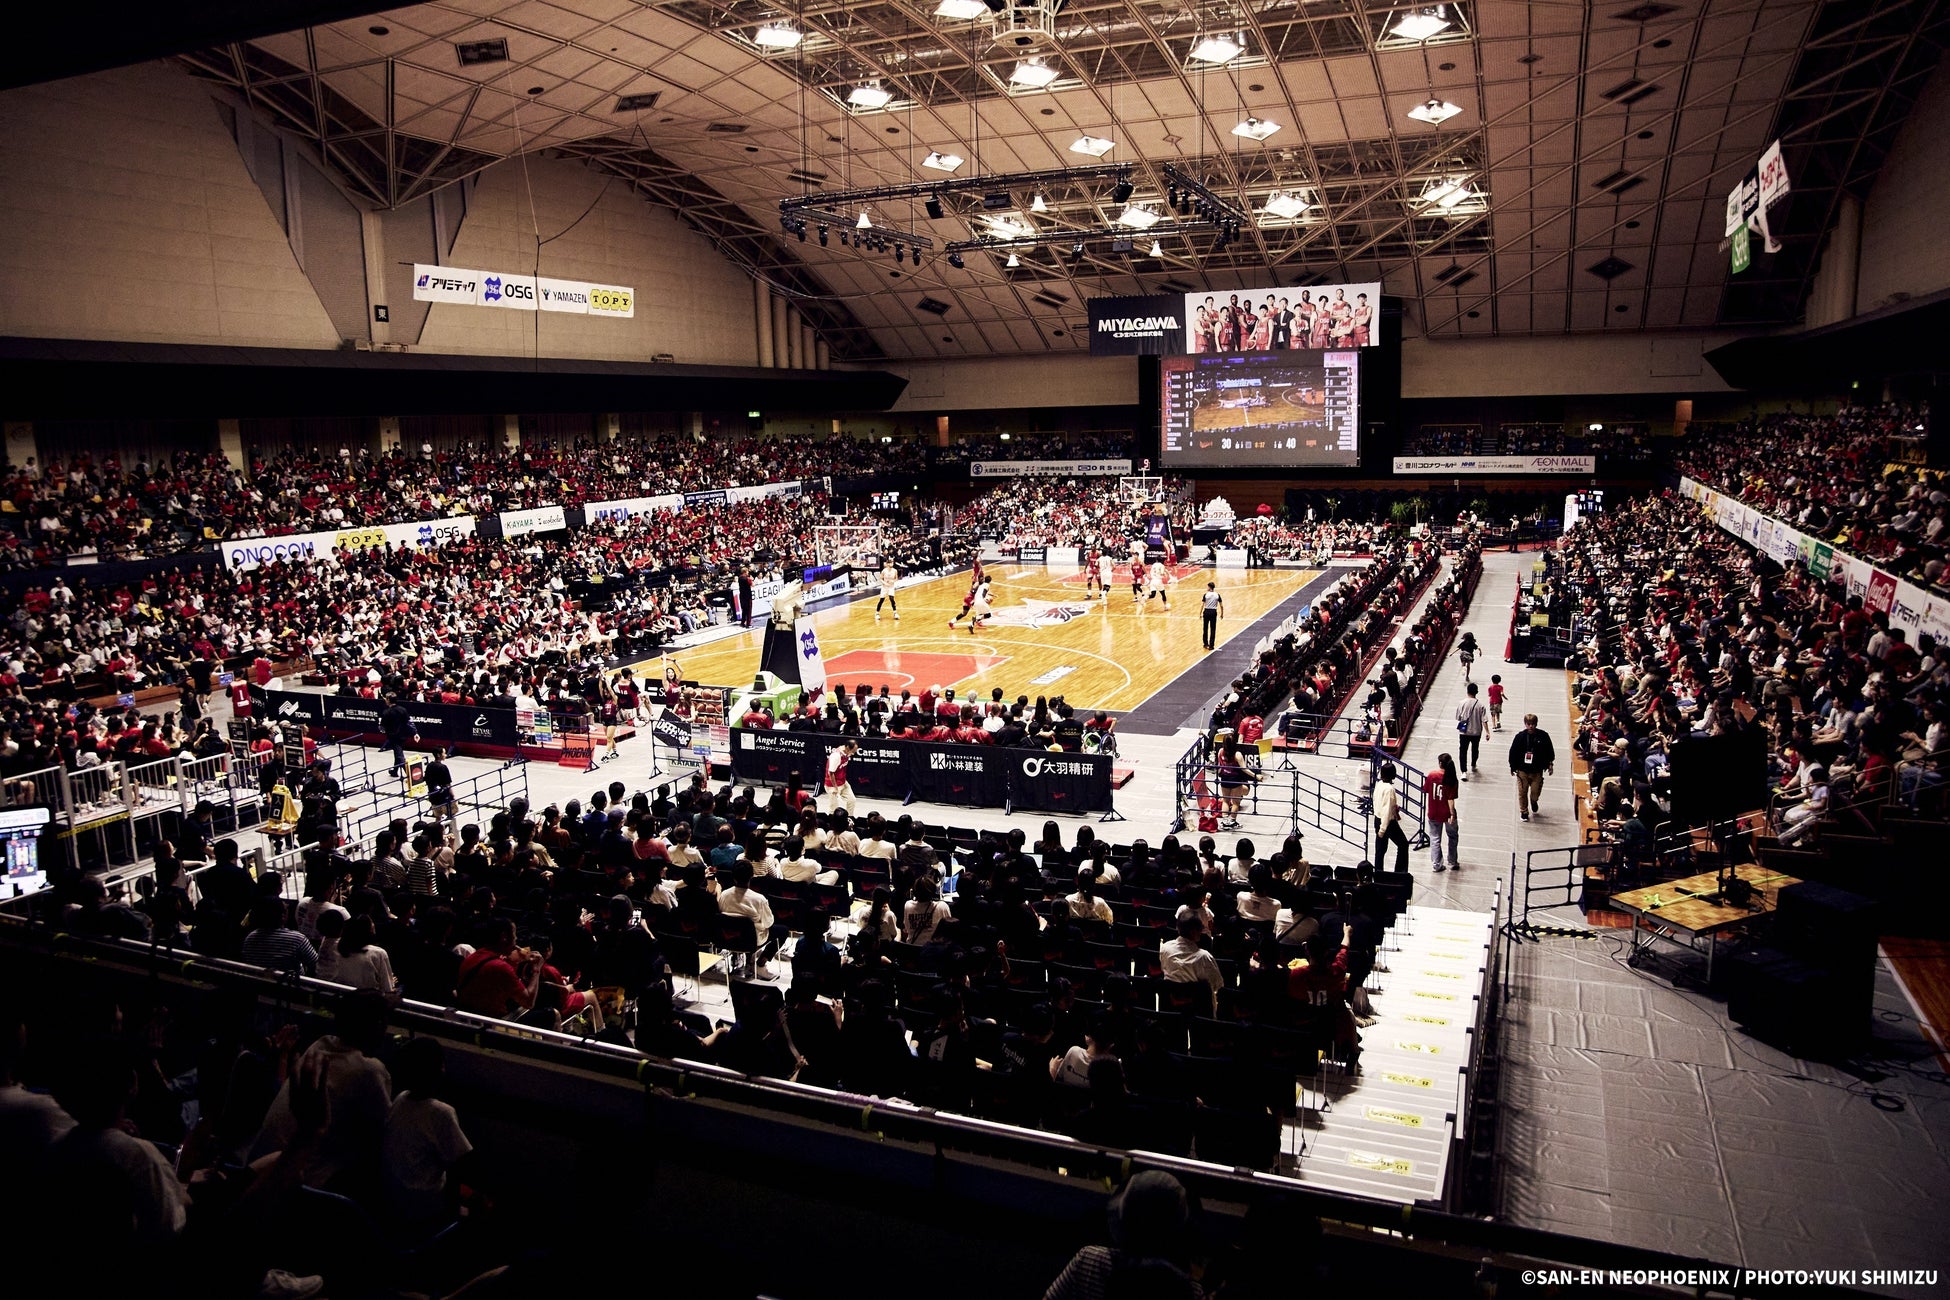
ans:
x=839 y=791
x=1215 y=606
x=1531 y=759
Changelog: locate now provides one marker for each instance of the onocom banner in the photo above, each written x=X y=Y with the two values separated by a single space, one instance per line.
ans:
x=311 y=548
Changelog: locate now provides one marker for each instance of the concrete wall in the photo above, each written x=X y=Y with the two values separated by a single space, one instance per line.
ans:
x=1903 y=249
x=691 y=302
x=129 y=214
x=1066 y=379
x=1565 y=364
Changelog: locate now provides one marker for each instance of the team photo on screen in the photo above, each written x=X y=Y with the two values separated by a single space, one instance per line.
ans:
x=1282 y=319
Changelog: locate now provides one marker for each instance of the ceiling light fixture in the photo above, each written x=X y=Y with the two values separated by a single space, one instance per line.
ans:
x=869 y=95
x=961 y=10
x=1013 y=262
x=863 y=223
x=777 y=36
x=1137 y=217
x=1217 y=49
x=1420 y=24
x=1448 y=193
x=942 y=162
x=1157 y=249
x=1286 y=205
x=1435 y=112
x=1037 y=205
x=1093 y=145
x=1033 y=74
x=1255 y=128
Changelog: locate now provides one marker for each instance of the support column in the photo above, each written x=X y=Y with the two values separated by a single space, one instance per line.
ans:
x=511 y=432
x=762 y=313
x=791 y=338
x=805 y=344
x=230 y=441
x=612 y=425
x=372 y=239
x=779 y=329
x=20 y=444
x=822 y=355
x=389 y=434
x=697 y=425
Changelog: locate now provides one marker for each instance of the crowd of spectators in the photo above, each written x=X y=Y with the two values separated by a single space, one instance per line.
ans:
x=1034 y=446
x=1087 y=513
x=1837 y=477
x=1272 y=537
x=1684 y=631
x=1614 y=443
x=936 y=714
x=85 y=506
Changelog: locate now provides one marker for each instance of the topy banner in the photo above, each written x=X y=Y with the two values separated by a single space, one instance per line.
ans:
x=308 y=548
x=453 y=284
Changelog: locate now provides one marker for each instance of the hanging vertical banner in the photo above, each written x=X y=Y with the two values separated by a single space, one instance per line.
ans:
x=1743 y=250
x=812 y=664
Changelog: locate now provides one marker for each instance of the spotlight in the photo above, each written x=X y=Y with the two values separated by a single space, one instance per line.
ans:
x=1171 y=197
x=1121 y=192
x=799 y=229
x=1420 y=24
x=900 y=253
x=844 y=241
x=955 y=260
x=1435 y=112
x=1076 y=249
x=822 y=236
x=935 y=211
x=869 y=95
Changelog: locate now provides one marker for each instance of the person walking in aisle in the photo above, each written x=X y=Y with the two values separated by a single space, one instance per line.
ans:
x=1496 y=701
x=1215 y=608
x=1388 y=820
x=1440 y=789
x=1531 y=759
x=1466 y=652
x=1471 y=722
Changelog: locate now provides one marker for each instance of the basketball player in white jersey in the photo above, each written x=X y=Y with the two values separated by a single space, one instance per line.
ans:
x=1157 y=585
x=1106 y=574
x=982 y=607
x=889 y=576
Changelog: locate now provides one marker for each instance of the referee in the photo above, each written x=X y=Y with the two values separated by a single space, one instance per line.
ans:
x=1215 y=605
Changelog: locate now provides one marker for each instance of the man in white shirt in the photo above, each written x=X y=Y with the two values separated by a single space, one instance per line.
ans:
x=742 y=900
x=1388 y=820
x=1184 y=962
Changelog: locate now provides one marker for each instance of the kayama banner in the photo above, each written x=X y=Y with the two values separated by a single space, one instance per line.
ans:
x=453 y=284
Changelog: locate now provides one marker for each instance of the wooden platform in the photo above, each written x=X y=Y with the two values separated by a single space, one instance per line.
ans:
x=1047 y=638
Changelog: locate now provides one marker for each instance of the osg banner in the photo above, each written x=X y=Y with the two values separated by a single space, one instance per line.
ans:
x=438 y=724
x=812 y=664
x=311 y=548
x=453 y=284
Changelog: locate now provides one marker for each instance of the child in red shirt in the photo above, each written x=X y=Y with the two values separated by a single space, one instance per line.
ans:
x=1496 y=702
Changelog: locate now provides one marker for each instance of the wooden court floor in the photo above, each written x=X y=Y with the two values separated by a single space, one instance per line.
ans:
x=1046 y=638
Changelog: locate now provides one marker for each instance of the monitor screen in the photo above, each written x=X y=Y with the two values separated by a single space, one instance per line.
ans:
x=20 y=833
x=1277 y=410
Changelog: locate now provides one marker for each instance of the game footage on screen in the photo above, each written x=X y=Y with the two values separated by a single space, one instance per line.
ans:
x=1296 y=408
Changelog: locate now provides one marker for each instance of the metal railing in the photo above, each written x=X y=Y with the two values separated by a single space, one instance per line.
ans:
x=492 y=790
x=1300 y=798
x=1551 y=878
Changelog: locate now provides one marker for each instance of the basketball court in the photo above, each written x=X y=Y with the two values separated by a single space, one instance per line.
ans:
x=1045 y=637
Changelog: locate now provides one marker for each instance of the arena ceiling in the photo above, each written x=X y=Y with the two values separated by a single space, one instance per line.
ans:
x=1595 y=141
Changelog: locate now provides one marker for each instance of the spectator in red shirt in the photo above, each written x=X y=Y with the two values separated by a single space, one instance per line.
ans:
x=490 y=983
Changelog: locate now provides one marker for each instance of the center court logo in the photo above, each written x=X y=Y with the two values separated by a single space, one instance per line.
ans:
x=1040 y=613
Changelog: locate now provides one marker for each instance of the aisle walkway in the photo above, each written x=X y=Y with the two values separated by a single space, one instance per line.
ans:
x=1637 y=1113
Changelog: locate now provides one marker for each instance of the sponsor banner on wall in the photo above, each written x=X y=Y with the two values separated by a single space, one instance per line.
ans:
x=1151 y=325
x=437 y=724
x=764 y=491
x=709 y=497
x=631 y=507
x=1914 y=609
x=1496 y=464
x=1033 y=555
x=812 y=663
x=1072 y=468
x=542 y=519
x=981 y=776
x=311 y=548
x=1281 y=319
x=453 y=284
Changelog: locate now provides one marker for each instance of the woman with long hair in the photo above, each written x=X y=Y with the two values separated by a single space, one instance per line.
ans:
x=1440 y=789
